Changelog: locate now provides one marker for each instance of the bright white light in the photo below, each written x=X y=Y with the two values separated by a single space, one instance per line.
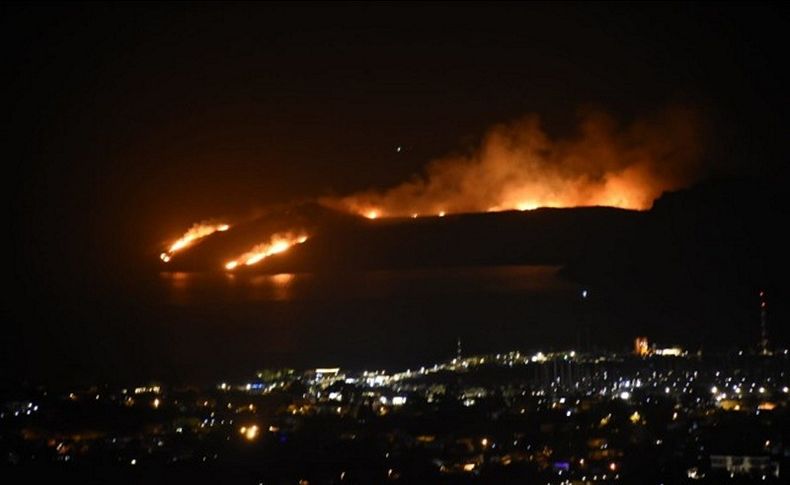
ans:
x=625 y=395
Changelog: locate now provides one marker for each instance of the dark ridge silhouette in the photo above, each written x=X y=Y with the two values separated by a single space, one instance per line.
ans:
x=340 y=241
x=691 y=257
x=692 y=239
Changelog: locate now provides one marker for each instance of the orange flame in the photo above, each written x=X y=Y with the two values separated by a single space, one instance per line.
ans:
x=518 y=166
x=278 y=243
x=199 y=230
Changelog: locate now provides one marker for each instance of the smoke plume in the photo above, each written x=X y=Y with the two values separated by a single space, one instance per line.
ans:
x=519 y=166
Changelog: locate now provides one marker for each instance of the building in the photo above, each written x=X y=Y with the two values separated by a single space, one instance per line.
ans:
x=641 y=347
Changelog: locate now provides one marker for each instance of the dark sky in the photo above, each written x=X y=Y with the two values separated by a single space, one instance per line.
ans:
x=129 y=122
x=123 y=124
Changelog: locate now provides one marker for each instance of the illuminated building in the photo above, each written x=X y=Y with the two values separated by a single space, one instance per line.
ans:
x=744 y=465
x=641 y=347
x=669 y=351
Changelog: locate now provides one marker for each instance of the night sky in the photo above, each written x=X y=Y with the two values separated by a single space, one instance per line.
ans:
x=124 y=124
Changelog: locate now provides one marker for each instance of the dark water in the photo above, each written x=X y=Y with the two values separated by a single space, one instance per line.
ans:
x=185 y=288
x=372 y=319
x=201 y=327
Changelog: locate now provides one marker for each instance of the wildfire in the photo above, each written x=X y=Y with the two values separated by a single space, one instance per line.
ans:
x=278 y=243
x=199 y=230
x=519 y=166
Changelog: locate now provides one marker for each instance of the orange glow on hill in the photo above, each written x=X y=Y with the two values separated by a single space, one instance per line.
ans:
x=518 y=166
x=278 y=243
x=199 y=230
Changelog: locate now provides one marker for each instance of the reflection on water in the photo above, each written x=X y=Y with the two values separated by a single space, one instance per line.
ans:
x=186 y=288
x=279 y=285
x=215 y=323
x=178 y=279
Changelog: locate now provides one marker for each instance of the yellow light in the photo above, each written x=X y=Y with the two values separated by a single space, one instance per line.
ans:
x=442 y=214
x=484 y=441
x=613 y=466
x=180 y=244
x=283 y=279
x=196 y=232
x=641 y=347
x=277 y=244
x=156 y=403
x=373 y=214
x=468 y=467
x=249 y=432
x=279 y=247
x=635 y=418
x=526 y=206
x=254 y=259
